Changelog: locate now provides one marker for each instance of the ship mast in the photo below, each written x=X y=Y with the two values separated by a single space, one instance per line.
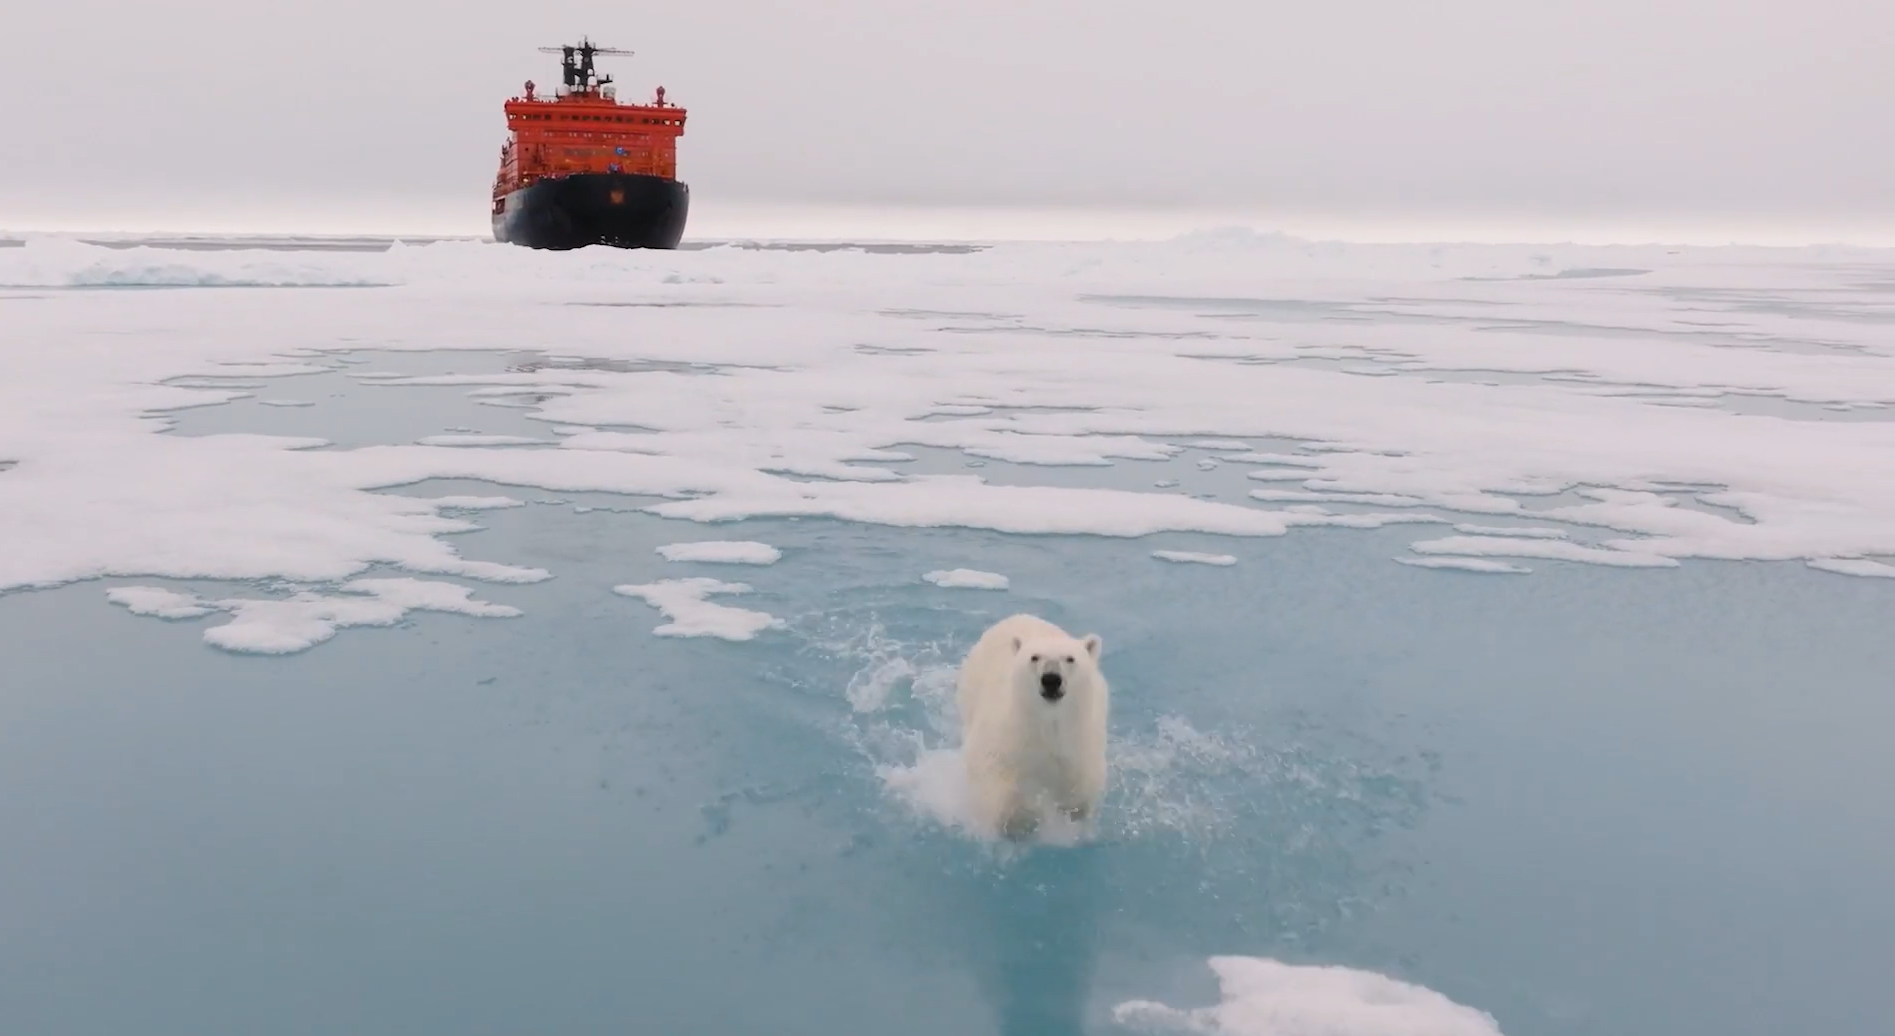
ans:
x=576 y=62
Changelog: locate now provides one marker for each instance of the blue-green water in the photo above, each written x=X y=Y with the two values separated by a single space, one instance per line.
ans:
x=1586 y=800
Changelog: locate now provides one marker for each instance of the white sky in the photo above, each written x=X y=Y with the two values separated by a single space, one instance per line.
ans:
x=1612 y=118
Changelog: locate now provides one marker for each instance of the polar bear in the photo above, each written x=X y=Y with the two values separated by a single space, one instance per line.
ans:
x=1033 y=707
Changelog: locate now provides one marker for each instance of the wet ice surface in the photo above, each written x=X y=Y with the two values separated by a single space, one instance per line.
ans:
x=446 y=710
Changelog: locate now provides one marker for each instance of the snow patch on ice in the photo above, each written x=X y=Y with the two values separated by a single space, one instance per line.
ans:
x=967 y=578
x=684 y=602
x=1854 y=567
x=727 y=552
x=482 y=440
x=1191 y=557
x=1554 y=550
x=1468 y=565
x=805 y=400
x=158 y=602
x=305 y=619
x=1528 y=531
x=477 y=503
x=1375 y=499
x=1218 y=444
x=1264 y=997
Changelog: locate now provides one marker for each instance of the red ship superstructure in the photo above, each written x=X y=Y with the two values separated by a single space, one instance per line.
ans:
x=581 y=168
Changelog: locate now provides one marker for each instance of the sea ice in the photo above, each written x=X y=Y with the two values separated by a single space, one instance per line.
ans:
x=1526 y=547
x=1263 y=997
x=1529 y=531
x=1854 y=567
x=967 y=578
x=683 y=601
x=799 y=389
x=158 y=602
x=305 y=619
x=482 y=440
x=1191 y=557
x=1468 y=565
x=728 y=552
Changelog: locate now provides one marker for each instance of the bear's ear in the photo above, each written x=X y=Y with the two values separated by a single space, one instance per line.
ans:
x=1016 y=645
x=1093 y=644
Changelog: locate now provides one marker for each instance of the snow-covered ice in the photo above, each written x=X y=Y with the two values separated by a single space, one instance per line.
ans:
x=1194 y=557
x=280 y=626
x=1855 y=567
x=1264 y=997
x=779 y=384
x=686 y=603
x=481 y=440
x=154 y=600
x=726 y=552
x=1468 y=565
x=966 y=579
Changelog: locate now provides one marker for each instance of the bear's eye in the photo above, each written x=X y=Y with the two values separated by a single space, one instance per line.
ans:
x=1035 y=658
x=1069 y=660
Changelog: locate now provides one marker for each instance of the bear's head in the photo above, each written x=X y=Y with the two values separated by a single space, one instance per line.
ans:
x=1054 y=668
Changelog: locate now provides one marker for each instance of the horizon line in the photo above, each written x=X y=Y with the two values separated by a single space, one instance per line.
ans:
x=737 y=220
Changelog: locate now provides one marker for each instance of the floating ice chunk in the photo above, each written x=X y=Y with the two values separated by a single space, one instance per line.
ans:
x=1376 y=499
x=1059 y=450
x=1467 y=565
x=430 y=596
x=1190 y=557
x=967 y=578
x=285 y=402
x=1555 y=550
x=477 y=503
x=488 y=571
x=1854 y=567
x=1279 y=474
x=683 y=602
x=1527 y=531
x=1263 y=997
x=1218 y=444
x=964 y=501
x=481 y=440
x=158 y=602
x=300 y=622
x=1322 y=518
x=728 y=552
x=1207 y=464
x=1295 y=460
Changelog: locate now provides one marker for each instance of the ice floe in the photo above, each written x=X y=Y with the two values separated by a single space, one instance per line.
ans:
x=281 y=626
x=1193 y=557
x=799 y=384
x=967 y=579
x=726 y=552
x=1264 y=997
x=1468 y=565
x=685 y=602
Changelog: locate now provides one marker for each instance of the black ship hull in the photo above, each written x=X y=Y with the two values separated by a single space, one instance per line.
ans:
x=622 y=210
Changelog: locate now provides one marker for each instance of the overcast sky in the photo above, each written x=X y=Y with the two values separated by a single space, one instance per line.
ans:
x=1741 y=111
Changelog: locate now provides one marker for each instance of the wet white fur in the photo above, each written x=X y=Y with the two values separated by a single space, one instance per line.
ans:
x=1030 y=760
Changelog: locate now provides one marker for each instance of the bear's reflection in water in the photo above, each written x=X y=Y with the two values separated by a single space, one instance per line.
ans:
x=1027 y=930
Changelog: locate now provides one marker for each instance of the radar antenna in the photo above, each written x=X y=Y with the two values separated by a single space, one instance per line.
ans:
x=577 y=63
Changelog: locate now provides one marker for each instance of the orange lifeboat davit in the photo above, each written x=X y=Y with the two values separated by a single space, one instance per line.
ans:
x=582 y=168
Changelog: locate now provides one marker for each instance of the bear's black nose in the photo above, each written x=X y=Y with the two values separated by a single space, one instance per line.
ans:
x=1049 y=686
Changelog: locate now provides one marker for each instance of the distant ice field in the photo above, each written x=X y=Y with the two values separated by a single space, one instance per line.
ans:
x=1332 y=507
